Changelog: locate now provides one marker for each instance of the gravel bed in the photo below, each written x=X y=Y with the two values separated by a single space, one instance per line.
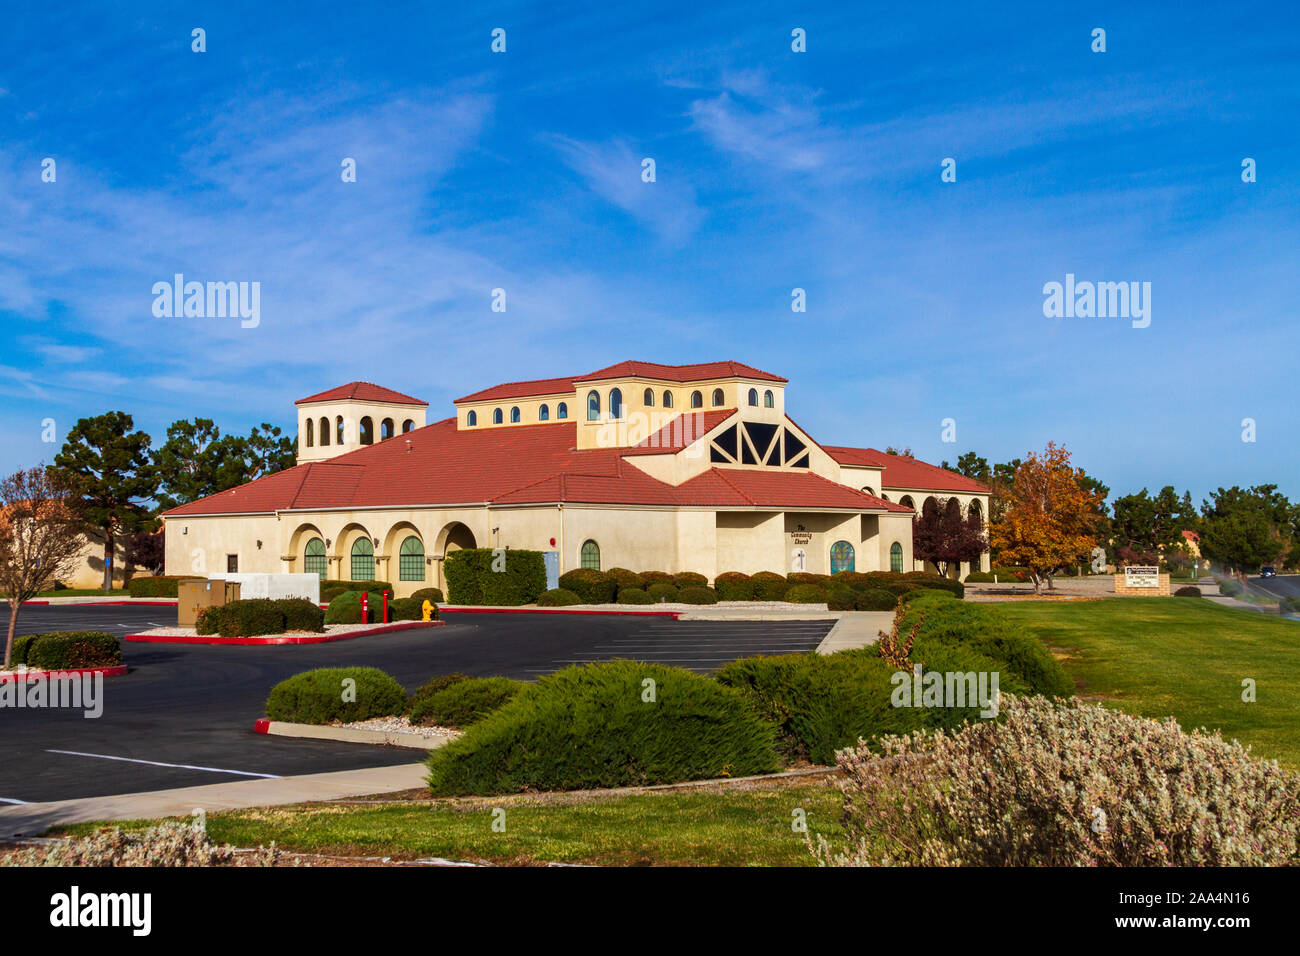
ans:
x=400 y=725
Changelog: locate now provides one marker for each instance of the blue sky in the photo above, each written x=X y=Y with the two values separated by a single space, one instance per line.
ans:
x=775 y=170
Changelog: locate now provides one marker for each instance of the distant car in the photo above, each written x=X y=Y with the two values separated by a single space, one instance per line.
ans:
x=1268 y=571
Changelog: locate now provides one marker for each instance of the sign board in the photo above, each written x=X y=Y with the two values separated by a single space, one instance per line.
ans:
x=801 y=537
x=275 y=585
x=1142 y=577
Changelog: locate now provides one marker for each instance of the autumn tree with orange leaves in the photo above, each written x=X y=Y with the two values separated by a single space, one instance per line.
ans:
x=40 y=539
x=1051 y=516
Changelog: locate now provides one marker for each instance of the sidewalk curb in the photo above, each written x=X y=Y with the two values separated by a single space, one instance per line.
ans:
x=25 y=677
x=313 y=639
x=350 y=735
x=469 y=609
x=133 y=602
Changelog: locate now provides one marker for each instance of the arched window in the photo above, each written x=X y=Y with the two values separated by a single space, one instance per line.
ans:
x=311 y=431
x=593 y=406
x=697 y=399
x=591 y=555
x=753 y=397
x=408 y=425
x=363 y=560
x=324 y=432
x=668 y=399
x=841 y=557
x=367 y=430
x=338 y=430
x=544 y=413
x=497 y=419
x=410 y=561
x=514 y=415
x=313 y=558
x=907 y=502
x=616 y=403
x=717 y=397
x=648 y=398
x=769 y=400
x=868 y=490
x=975 y=511
x=471 y=418
x=896 y=557
x=386 y=429
x=562 y=410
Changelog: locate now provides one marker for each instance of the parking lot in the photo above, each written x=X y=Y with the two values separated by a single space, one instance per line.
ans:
x=183 y=715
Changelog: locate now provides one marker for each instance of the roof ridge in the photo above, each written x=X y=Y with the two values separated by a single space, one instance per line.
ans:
x=732 y=485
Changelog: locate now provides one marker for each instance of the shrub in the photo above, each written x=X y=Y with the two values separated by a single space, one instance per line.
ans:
x=471 y=579
x=980 y=577
x=408 y=609
x=346 y=608
x=251 y=617
x=623 y=578
x=734 y=586
x=690 y=579
x=857 y=580
x=1191 y=591
x=465 y=702
x=875 y=599
x=22 y=644
x=432 y=595
x=1011 y=572
x=654 y=577
x=841 y=599
x=68 y=650
x=433 y=685
x=807 y=577
x=209 y=620
x=1229 y=587
x=590 y=726
x=329 y=594
x=909 y=597
x=805 y=594
x=380 y=586
x=769 y=586
x=168 y=844
x=163 y=585
x=697 y=595
x=591 y=586
x=317 y=697
x=1076 y=785
x=557 y=597
x=634 y=596
x=662 y=592
x=1285 y=605
x=301 y=614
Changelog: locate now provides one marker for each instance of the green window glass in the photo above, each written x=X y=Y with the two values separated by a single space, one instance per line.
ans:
x=841 y=557
x=896 y=557
x=363 y=560
x=411 y=560
x=591 y=555
x=313 y=560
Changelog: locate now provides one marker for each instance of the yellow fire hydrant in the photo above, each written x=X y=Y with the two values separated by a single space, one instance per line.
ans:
x=428 y=609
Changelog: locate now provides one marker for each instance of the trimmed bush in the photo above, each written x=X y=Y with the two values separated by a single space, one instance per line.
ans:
x=380 y=586
x=623 y=578
x=980 y=577
x=908 y=597
x=471 y=579
x=68 y=650
x=591 y=586
x=251 y=617
x=317 y=697
x=857 y=580
x=805 y=594
x=734 y=586
x=697 y=595
x=465 y=702
x=329 y=594
x=654 y=577
x=590 y=726
x=161 y=586
x=841 y=599
x=875 y=599
x=433 y=685
x=1191 y=591
x=557 y=597
x=634 y=596
x=209 y=620
x=662 y=592
x=408 y=609
x=690 y=579
x=346 y=608
x=769 y=586
x=22 y=644
x=433 y=595
x=807 y=577
x=301 y=614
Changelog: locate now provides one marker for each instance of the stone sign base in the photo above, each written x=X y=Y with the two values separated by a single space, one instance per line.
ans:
x=1162 y=590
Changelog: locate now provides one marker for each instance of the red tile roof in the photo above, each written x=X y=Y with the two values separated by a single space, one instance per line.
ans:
x=680 y=373
x=903 y=472
x=681 y=432
x=722 y=487
x=361 y=391
x=538 y=386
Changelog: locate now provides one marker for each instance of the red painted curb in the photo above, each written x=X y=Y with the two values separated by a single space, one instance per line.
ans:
x=162 y=602
x=313 y=639
x=262 y=726
x=28 y=676
x=552 y=610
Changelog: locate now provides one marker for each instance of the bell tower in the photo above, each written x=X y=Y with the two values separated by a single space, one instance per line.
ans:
x=349 y=417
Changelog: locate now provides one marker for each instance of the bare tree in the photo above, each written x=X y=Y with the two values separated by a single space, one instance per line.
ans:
x=40 y=538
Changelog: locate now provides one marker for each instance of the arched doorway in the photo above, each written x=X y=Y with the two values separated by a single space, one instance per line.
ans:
x=453 y=537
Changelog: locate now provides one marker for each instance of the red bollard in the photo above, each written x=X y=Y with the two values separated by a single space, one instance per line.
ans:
x=385 y=607
x=364 y=595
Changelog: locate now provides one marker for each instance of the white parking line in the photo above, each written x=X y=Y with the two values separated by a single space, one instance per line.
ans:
x=11 y=800
x=155 y=763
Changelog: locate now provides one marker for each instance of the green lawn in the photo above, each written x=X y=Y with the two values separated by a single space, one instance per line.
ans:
x=722 y=826
x=1183 y=657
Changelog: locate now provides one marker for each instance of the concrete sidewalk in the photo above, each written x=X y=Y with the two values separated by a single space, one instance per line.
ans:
x=29 y=819
x=856 y=629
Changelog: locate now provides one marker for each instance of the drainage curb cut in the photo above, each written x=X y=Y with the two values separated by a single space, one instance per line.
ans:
x=23 y=677
x=313 y=639
x=351 y=735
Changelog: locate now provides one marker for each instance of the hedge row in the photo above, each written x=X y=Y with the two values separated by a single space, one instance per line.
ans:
x=164 y=585
x=260 y=616
x=478 y=576
x=67 y=650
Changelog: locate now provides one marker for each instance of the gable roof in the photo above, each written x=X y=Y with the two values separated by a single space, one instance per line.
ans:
x=682 y=431
x=721 y=487
x=900 y=471
x=699 y=372
x=363 y=392
x=537 y=386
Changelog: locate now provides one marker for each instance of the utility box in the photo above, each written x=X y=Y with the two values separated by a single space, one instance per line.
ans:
x=193 y=596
